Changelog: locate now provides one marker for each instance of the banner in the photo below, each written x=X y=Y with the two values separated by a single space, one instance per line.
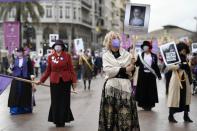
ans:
x=126 y=41
x=4 y=82
x=136 y=19
x=155 y=46
x=170 y=53
x=11 y=35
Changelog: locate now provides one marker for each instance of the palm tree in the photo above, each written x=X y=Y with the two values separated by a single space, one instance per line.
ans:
x=24 y=10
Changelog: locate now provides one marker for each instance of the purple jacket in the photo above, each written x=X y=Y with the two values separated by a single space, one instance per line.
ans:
x=21 y=71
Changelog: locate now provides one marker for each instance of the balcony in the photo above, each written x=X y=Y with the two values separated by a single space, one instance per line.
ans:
x=86 y=4
x=88 y=22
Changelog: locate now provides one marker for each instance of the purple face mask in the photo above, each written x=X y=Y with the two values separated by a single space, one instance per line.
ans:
x=116 y=43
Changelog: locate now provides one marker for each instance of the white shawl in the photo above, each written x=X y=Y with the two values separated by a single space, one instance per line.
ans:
x=111 y=67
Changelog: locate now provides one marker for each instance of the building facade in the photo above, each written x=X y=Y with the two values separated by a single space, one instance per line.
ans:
x=86 y=19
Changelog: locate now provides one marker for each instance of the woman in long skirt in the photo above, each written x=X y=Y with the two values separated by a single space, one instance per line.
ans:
x=146 y=91
x=118 y=110
x=20 y=98
x=62 y=77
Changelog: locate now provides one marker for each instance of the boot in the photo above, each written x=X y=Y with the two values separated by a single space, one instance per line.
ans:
x=171 y=119
x=187 y=118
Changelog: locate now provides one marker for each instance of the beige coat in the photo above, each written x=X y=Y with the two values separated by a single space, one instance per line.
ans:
x=174 y=89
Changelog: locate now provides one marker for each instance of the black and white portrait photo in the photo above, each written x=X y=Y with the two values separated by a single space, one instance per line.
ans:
x=136 y=19
x=137 y=15
x=194 y=47
x=170 y=54
x=53 y=38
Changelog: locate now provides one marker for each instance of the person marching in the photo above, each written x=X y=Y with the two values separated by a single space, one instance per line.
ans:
x=87 y=68
x=62 y=77
x=118 y=111
x=146 y=91
x=20 y=96
x=179 y=95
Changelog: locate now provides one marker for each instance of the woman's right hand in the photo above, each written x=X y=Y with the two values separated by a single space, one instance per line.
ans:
x=38 y=82
x=130 y=68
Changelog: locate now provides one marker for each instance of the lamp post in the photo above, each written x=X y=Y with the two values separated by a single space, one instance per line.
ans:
x=195 y=18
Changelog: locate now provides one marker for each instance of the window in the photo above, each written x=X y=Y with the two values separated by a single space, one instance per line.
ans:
x=74 y=13
x=67 y=12
x=61 y=13
x=79 y=10
x=48 y=11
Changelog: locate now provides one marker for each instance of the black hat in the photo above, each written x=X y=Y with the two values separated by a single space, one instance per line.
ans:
x=146 y=43
x=20 y=49
x=59 y=42
x=181 y=45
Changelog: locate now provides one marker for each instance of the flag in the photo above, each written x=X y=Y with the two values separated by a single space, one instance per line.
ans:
x=4 y=83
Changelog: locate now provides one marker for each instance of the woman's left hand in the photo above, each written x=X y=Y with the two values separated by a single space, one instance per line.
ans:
x=74 y=86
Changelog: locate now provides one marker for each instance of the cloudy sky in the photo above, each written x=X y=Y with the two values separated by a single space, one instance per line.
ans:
x=173 y=12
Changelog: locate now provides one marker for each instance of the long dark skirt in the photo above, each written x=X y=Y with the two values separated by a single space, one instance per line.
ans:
x=146 y=91
x=117 y=113
x=182 y=103
x=20 y=98
x=60 y=111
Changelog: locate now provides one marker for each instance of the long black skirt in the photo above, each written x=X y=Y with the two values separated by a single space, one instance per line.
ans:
x=60 y=111
x=146 y=91
x=20 y=94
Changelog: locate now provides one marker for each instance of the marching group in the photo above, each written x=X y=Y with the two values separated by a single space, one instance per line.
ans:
x=124 y=74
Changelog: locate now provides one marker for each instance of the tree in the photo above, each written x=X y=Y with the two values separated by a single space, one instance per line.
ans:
x=24 y=10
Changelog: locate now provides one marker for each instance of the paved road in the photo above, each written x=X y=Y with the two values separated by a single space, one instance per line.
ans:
x=85 y=107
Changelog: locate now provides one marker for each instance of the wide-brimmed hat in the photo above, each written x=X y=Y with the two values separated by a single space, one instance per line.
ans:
x=146 y=43
x=181 y=45
x=59 y=42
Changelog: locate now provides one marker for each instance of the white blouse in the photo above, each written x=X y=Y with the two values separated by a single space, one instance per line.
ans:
x=20 y=62
x=148 y=60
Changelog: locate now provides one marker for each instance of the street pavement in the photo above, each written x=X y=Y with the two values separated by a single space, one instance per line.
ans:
x=85 y=107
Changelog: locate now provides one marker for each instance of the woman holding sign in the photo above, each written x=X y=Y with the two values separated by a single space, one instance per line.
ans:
x=146 y=91
x=179 y=97
x=118 y=110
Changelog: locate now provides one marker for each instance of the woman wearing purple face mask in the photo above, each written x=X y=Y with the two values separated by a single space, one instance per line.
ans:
x=20 y=97
x=118 y=108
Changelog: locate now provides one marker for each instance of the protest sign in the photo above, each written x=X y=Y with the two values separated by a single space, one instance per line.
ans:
x=170 y=53
x=52 y=39
x=79 y=46
x=136 y=19
x=194 y=47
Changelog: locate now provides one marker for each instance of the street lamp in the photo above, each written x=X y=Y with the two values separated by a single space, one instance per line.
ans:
x=195 y=18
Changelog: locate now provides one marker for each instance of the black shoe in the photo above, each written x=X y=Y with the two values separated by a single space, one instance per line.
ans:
x=187 y=119
x=60 y=125
x=171 y=119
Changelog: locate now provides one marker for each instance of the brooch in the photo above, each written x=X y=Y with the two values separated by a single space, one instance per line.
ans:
x=52 y=57
x=61 y=58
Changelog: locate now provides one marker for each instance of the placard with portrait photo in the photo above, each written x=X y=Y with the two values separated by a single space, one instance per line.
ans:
x=52 y=39
x=136 y=19
x=194 y=47
x=170 y=53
